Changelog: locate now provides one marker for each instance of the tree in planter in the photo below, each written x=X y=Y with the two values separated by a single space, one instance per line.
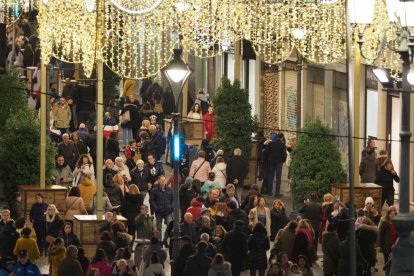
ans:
x=232 y=114
x=316 y=161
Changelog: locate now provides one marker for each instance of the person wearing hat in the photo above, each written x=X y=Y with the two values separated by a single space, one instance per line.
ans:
x=186 y=251
x=24 y=266
x=7 y=266
x=28 y=244
x=370 y=211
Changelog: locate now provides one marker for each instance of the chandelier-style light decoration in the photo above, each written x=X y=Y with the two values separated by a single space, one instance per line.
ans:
x=67 y=31
x=135 y=45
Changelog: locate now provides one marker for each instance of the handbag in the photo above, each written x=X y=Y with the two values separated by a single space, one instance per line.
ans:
x=50 y=239
x=125 y=117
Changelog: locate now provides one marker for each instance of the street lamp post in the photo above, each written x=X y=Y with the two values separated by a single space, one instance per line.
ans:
x=177 y=73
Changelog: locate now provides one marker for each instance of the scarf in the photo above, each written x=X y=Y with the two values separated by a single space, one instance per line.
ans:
x=50 y=219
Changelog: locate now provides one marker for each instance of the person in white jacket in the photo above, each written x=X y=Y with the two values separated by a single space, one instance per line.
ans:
x=122 y=169
x=220 y=170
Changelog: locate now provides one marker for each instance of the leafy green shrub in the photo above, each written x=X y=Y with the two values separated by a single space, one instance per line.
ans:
x=234 y=123
x=316 y=161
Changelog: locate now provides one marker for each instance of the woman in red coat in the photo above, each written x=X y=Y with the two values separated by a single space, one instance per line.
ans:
x=209 y=125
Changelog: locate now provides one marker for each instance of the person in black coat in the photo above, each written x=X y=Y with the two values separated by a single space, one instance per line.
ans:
x=154 y=168
x=198 y=264
x=140 y=177
x=276 y=155
x=312 y=210
x=157 y=144
x=37 y=218
x=188 y=228
x=8 y=239
x=168 y=102
x=258 y=244
x=107 y=245
x=186 y=195
x=278 y=218
x=385 y=178
x=130 y=208
x=83 y=260
x=16 y=207
x=68 y=236
x=236 y=170
x=53 y=221
x=112 y=147
x=236 y=214
x=234 y=247
x=143 y=91
x=185 y=252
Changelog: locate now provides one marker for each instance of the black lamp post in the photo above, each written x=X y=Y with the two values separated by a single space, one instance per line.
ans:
x=177 y=73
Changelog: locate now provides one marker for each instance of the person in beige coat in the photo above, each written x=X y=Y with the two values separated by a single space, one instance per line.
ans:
x=74 y=205
x=260 y=213
x=62 y=115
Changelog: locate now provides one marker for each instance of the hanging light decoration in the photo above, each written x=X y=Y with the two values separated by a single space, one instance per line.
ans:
x=67 y=31
x=319 y=30
x=136 y=46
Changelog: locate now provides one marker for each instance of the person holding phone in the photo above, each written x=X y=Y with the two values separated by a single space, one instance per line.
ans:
x=385 y=178
x=370 y=211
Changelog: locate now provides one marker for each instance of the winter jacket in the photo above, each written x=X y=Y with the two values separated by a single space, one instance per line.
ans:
x=28 y=269
x=161 y=200
x=200 y=169
x=220 y=170
x=330 y=248
x=312 y=211
x=37 y=214
x=197 y=264
x=16 y=209
x=133 y=109
x=56 y=255
x=384 y=236
x=114 y=193
x=155 y=171
x=155 y=269
x=208 y=186
x=278 y=220
x=302 y=245
x=386 y=179
x=30 y=245
x=8 y=240
x=220 y=269
x=368 y=168
x=87 y=190
x=140 y=178
x=130 y=207
x=195 y=209
x=151 y=249
x=367 y=237
x=144 y=226
x=74 y=206
x=111 y=149
x=283 y=241
x=103 y=267
x=237 y=168
x=129 y=87
x=54 y=227
x=185 y=252
x=186 y=196
x=238 y=214
x=109 y=247
x=344 y=260
x=258 y=245
x=70 y=239
x=62 y=115
x=70 y=267
x=234 y=246
x=209 y=126
x=157 y=144
x=69 y=152
x=253 y=214
x=275 y=152
x=124 y=170
x=189 y=230
x=60 y=174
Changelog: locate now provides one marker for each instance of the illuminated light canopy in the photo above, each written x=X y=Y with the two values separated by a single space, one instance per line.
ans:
x=140 y=10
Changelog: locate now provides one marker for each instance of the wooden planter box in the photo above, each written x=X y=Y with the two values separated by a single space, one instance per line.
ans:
x=86 y=227
x=194 y=133
x=362 y=191
x=54 y=194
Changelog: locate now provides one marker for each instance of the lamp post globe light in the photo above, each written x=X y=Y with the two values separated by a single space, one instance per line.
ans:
x=177 y=73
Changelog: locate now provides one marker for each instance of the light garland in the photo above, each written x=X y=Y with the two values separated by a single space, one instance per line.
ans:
x=67 y=31
x=137 y=46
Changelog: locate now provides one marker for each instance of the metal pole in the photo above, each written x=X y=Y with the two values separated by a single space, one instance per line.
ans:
x=43 y=123
x=176 y=203
x=403 y=252
x=99 y=140
x=13 y=57
x=351 y=147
